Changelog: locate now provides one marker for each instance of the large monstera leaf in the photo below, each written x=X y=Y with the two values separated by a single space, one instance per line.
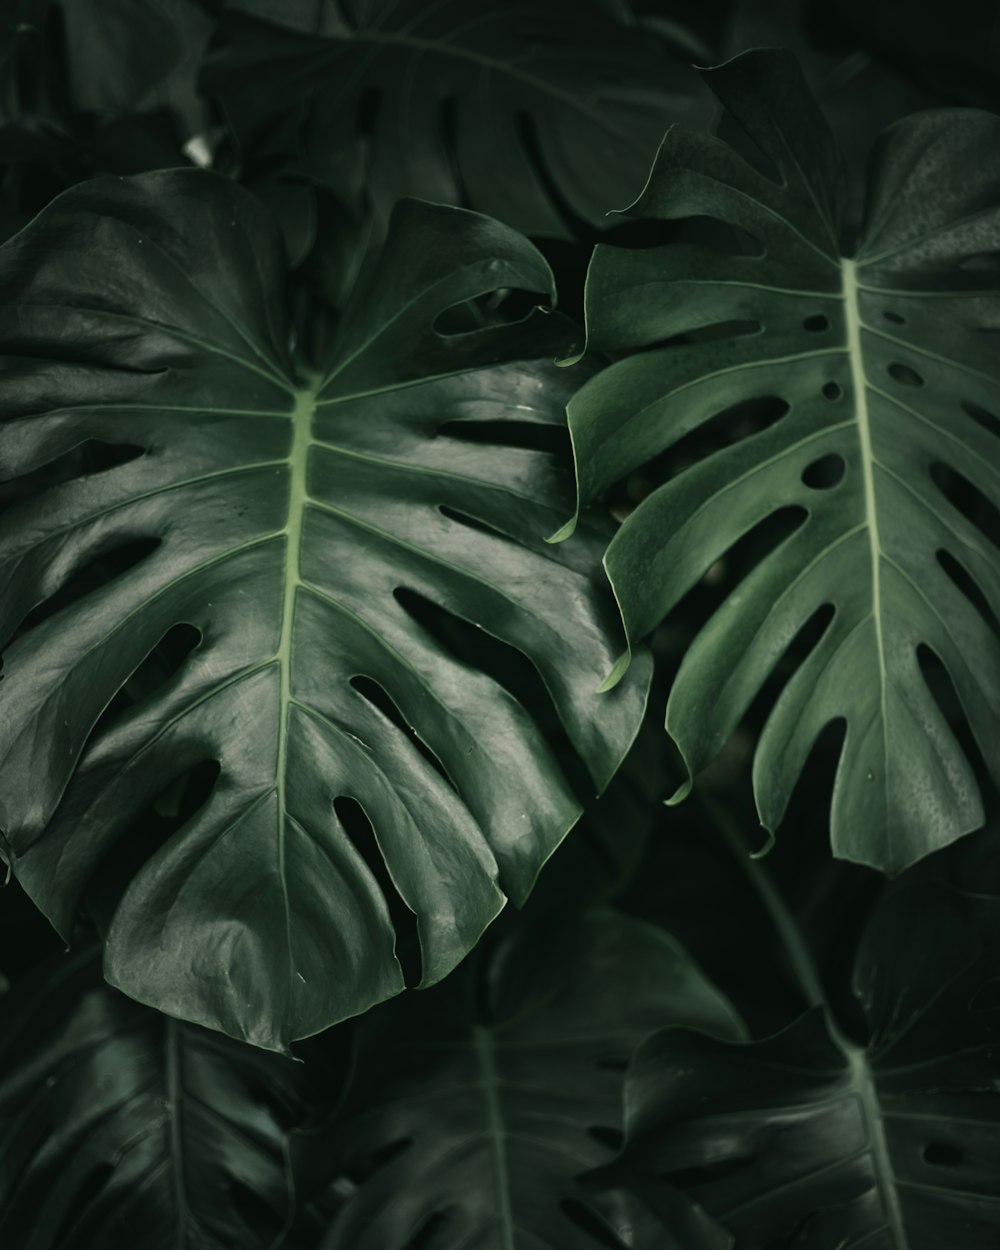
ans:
x=807 y=1139
x=532 y=112
x=477 y=1106
x=884 y=369
x=294 y=524
x=120 y=1126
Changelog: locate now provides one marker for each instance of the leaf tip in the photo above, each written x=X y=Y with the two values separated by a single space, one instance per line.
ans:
x=561 y=535
x=768 y=846
x=616 y=674
x=680 y=794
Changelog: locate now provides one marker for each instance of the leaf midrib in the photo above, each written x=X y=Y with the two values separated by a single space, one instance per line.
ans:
x=862 y=1084
x=859 y=386
x=298 y=498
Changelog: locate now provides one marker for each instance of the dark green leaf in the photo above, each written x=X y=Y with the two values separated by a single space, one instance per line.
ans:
x=303 y=527
x=890 y=1146
x=540 y=114
x=879 y=452
x=122 y=1127
x=478 y=1104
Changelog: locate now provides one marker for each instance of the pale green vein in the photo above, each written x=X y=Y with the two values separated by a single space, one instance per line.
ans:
x=859 y=385
x=486 y=1059
x=298 y=461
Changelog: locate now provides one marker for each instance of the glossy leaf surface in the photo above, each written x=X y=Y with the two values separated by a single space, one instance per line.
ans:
x=806 y=1136
x=120 y=1126
x=300 y=527
x=877 y=448
x=478 y=1105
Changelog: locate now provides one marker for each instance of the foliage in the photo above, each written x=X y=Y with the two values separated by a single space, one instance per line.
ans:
x=298 y=693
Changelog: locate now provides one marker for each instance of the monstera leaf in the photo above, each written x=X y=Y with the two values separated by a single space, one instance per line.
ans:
x=300 y=529
x=120 y=1126
x=477 y=1106
x=532 y=112
x=806 y=1139
x=882 y=370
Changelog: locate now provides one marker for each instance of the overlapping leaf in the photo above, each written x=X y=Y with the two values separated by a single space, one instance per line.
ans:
x=478 y=1105
x=808 y=1137
x=530 y=112
x=296 y=525
x=120 y=1126
x=882 y=370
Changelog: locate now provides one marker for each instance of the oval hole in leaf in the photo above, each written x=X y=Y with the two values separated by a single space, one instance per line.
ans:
x=86 y=458
x=380 y=699
x=943 y=1155
x=942 y=688
x=181 y=796
x=825 y=473
x=894 y=318
x=988 y=420
x=968 y=499
x=162 y=663
x=358 y=828
x=492 y=308
x=528 y=435
x=832 y=390
x=588 y=1221
x=816 y=324
x=969 y=588
x=99 y=568
x=478 y=649
x=905 y=374
x=612 y=1138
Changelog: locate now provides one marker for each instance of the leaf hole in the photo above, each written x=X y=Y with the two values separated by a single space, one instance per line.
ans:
x=361 y=833
x=161 y=664
x=832 y=390
x=477 y=649
x=611 y=1138
x=894 y=318
x=527 y=435
x=102 y=566
x=817 y=324
x=987 y=420
x=492 y=308
x=586 y=1219
x=968 y=499
x=941 y=1154
x=905 y=375
x=968 y=587
x=825 y=473
x=942 y=689
x=378 y=697
x=85 y=459
x=160 y=813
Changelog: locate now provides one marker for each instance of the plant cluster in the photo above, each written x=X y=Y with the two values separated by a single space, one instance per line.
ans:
x=500 y=620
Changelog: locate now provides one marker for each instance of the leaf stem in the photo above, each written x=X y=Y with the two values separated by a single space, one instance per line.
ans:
x=799 y=955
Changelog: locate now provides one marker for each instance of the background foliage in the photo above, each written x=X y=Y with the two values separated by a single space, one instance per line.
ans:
x=668 y=1044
